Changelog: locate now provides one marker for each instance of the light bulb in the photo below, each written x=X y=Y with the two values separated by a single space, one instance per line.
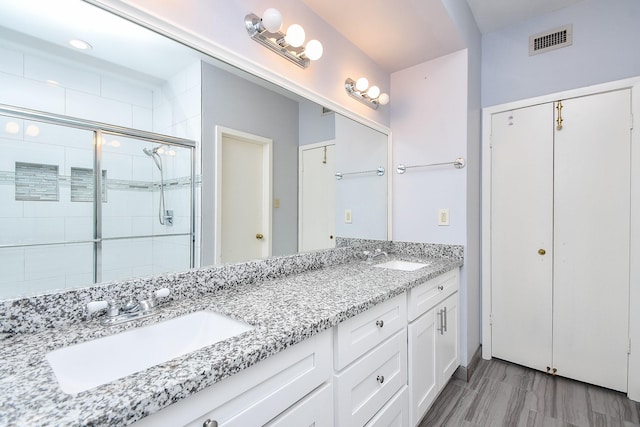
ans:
x=295 y=35
x=373 y=92
x=12 y=127
x=313 y=50
x=272 y=20
x=383 y=99
x=32 y=130
x=115 y=143
x=362 y=84
x=160 y=150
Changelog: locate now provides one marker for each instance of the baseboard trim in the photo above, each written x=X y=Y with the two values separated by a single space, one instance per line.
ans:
x=464 y=373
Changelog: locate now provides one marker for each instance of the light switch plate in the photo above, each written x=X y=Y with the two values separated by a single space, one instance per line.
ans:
x=443 y=216
x=347 y=216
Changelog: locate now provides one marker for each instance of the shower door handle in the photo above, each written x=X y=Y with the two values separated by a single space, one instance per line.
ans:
x=259 y=236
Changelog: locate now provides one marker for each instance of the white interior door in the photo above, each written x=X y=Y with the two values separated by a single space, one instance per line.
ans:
x=317 y=197
x=243 y=208
x=592 y=205
x=521 y=226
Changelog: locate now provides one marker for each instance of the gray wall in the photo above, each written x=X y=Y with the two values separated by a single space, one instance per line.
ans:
x=605 y=48
x=360 y=148
x=230 y=101
x=315 y=126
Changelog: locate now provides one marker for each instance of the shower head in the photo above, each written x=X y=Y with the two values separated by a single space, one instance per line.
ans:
x=153 y=153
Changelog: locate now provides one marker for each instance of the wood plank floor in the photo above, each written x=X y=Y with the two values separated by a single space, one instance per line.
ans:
x=503 y=394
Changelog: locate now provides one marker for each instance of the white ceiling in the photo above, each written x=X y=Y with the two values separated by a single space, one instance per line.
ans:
x=117 y=43
x=395 y=34
x=400 y=33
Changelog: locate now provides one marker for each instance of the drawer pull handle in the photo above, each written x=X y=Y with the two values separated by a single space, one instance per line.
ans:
x=380 y=379
x=210 y=423
x=380 y=323
x=440 y=287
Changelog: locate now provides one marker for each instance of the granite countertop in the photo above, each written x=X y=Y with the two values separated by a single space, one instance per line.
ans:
x=284 y=312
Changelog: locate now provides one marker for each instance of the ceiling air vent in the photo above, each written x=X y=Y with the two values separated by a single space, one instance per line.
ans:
x=550 y=40
x=326 y=111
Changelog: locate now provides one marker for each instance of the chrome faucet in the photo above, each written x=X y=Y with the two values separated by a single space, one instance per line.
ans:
x=372 y=256
x=131 y=310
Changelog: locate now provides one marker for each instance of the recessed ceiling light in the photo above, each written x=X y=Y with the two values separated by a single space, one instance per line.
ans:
x=80 y=44
x=12 y=127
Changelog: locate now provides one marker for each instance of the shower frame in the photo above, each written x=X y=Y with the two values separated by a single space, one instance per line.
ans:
x=98 y=130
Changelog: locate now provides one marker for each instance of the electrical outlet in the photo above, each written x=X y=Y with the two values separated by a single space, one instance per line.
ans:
x=347 y=216
x=443 y=216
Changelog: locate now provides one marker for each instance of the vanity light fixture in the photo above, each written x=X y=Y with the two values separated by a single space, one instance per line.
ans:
x=368 y=95
x=290 y=45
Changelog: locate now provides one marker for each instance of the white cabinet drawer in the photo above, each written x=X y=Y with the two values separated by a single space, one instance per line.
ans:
x=257 y=394
x=424 y=297
x=365 y=387
x=355 y=336
x=314 y=410
x=394 y=414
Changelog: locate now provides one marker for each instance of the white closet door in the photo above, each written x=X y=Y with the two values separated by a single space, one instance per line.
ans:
x=521 y=226
x=592 y=205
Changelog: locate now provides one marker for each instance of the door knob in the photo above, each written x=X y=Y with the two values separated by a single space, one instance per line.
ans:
x=259 y=236
x=541 y=251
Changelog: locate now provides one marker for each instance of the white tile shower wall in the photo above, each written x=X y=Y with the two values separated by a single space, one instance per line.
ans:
x=89 y=94
x=177 y=112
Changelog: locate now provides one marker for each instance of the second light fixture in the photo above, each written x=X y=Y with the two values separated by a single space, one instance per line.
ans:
x=369 y=95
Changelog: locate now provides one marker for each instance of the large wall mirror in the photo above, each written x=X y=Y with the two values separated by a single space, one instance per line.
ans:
x=200 y=162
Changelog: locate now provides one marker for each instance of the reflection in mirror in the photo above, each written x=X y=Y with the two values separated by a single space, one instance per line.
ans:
x=165 y=205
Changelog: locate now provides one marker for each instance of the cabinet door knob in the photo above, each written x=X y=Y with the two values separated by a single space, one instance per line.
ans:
x=541 y=251
x=259 y=236
x=210 y=423
x=440 y=287
x=380 y=323
x=380 y=379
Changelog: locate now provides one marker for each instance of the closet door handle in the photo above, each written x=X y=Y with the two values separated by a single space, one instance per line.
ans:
x=541 y=252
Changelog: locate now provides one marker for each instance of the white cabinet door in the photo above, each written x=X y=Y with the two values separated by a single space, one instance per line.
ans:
x=591 y=234
x=434 y=355
x=521 y=226
x=447 y=343
x=422 y=365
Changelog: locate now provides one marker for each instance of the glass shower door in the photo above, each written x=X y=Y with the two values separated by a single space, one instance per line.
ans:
x=147 y=224
x=46 y=207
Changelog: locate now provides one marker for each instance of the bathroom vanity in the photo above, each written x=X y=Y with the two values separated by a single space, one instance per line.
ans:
x=344 y=344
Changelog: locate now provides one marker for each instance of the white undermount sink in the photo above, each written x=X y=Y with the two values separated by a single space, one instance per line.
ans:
x=401 y=265
x=84 y=366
